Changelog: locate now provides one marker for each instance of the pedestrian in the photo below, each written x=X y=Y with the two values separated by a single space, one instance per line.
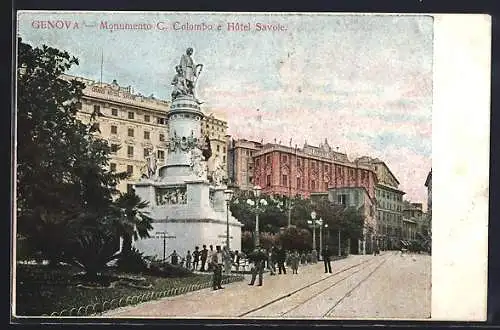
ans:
x=281 y=258
x=226 y=258
x=294 y=262
x=216 y=262
x=210 y=254
x=204 y=257
x=270 y=262
x=258 y=257
x=376 y=249
x=188 y=260
x=314 y=256
x=236 y=260
x=174 y=258
x=326 y=254
x=196 y=258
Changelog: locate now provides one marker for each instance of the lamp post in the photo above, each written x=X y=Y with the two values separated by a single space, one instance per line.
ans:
x=340 y=250
x=313 y=223
x=320 y=223
x=256 y=192
x=228 y=194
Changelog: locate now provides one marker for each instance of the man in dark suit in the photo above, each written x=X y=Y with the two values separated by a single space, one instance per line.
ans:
x=281 y=257
x=326 y=253
x=258 y=257
x=204 y=256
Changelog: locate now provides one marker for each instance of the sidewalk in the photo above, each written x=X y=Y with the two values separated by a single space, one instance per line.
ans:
x=236 y=298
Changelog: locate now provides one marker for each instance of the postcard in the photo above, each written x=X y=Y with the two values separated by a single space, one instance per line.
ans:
x=194 y=165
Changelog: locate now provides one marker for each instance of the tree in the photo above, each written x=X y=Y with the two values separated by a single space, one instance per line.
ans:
x=65 y=192
x=296 y=239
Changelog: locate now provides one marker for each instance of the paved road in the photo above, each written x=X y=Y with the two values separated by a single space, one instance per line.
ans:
x=386 y=286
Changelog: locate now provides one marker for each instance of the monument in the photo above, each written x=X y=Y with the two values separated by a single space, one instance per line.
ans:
x=185 y=201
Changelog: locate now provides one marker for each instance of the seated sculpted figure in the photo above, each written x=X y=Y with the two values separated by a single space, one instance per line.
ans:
x=179 y=83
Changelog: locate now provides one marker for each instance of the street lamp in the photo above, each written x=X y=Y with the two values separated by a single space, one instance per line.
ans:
x=228 y=194
x=263 y=202
x=313 y=223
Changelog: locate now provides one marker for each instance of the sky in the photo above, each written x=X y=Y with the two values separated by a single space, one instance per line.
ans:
x=363 y=82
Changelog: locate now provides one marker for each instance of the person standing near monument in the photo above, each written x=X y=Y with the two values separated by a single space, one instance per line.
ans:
x=188 y=260
x=281 y=257
x=326 y=253
x=210 y=255
x=216 y=262
x=204 y=256
x=258 y=257
x=294 y=261
x=196 y=258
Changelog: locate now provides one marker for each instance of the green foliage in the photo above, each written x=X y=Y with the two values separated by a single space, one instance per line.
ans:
x=132 y=262
x=247 y=241
x=296 y=239
x=65 y=193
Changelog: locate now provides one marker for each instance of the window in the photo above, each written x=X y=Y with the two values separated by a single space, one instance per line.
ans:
x=162 y=137
x=114 y=129
x=146 y=152
x=114 y=112
x=268 y=159
x=285 y=180
x=161 y=154
x=285 y=158
x=257 y=162
x=268 y=180
x=160 y=121
x=146 y=135
x=114 y=148
x=130 y=115
x=130 y=151
x=112 y=167
x=97 y=109
x=131 y=132
x=342 y=199
x=224 y=160
x=224 y=149
x=298 y=182
x=313 y=184
x=147 y=118
x=130 y=169
x=218 y=149
x=78 y=105
x=298 y=162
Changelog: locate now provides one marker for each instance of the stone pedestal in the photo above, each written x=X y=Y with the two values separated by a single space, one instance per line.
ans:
x=182 y=202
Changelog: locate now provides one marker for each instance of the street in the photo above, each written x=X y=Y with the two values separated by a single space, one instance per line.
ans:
x=361 y=286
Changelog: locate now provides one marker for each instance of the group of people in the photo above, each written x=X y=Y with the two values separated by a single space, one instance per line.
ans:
x=273 y=259
x=277 y=257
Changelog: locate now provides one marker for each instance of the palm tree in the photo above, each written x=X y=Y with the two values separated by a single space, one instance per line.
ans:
x=131 y=221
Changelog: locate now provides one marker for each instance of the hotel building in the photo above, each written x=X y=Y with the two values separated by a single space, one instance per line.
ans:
x=135 y=125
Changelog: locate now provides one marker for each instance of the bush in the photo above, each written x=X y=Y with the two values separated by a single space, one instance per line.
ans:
x=132 y=262
x=164 y=269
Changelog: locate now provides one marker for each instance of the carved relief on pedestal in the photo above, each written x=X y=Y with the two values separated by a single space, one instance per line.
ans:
x=184 y=143
x=171 y=196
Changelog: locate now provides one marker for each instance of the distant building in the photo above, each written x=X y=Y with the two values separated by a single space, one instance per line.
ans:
x=135 y=126
x=240 y=163
x=428 y=184
x=358 y=197
x=389 y=200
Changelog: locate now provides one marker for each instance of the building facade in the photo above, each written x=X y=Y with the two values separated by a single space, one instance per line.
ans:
x=389 y=201
x=136 y=126
x=240 y=163
x=283 y=170
x=359 y=198
x=428 y=184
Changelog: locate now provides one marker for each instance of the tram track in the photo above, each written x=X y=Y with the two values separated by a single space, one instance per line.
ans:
x=348 y=293
x=366 y=263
